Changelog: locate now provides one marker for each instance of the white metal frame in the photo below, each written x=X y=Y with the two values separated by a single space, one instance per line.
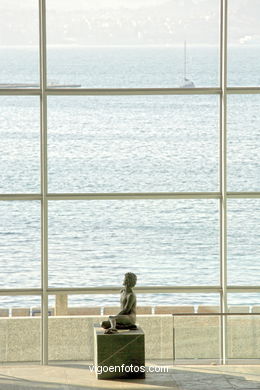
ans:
x=43 y=92
x=223 y=176
x=44 y=183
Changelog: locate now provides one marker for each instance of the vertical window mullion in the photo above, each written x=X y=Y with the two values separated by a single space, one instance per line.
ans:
x=44 y=184
x=223 y=177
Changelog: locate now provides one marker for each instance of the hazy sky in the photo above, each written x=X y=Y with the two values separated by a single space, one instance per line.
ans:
x=128 y=22
x=80 y=4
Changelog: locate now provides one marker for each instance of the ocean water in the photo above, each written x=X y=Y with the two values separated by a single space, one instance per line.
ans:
x=129 y=144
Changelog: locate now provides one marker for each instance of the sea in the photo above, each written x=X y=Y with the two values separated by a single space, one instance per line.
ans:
x=140 y=143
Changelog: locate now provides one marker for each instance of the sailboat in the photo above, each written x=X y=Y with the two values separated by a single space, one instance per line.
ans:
x=187 y=83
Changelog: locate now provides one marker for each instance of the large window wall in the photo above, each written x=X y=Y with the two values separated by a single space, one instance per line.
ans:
x=110 y=165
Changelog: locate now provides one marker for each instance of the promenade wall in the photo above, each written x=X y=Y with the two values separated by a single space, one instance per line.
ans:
x=166 y=336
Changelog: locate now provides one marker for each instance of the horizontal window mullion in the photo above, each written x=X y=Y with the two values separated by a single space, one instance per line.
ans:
x=20 y=291
x=20 y=197
x=20 y=91
x=241 y=195
x=110 y=91
x=132 y=91
x=134 y=195
x=146 y=195
x=138 y=290
x=126 y=91
x=243 y=90
x=243 y=289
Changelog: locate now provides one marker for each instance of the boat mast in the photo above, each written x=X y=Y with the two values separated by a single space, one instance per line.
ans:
x=185 y=50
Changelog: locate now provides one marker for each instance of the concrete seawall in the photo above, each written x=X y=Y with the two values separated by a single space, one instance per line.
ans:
x=61 y=309
x=71 y=337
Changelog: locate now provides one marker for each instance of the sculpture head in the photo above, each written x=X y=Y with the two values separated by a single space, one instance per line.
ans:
x=130 y=279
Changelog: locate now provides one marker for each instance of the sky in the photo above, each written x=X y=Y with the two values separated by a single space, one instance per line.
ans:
x=129 y=22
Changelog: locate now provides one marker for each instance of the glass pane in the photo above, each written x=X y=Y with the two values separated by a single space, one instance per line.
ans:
x=243 y=241
x=20 y=325
x=244 y=302
x=243 y=143
x=133 y=144
x=71 y=328
x=20 y=247
x=244 y=331
x=197 y=339
x=157 y=303
x=244 y=43
x=165 y=242
x=20 y=144
x=19 y=39
x=133 y=43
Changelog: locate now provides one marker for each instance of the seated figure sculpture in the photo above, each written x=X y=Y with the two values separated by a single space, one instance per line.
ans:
x=126 y=318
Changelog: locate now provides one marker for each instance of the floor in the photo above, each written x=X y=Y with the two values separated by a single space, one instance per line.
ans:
x=79 y=377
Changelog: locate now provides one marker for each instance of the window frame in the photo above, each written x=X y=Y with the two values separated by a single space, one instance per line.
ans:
x=222 y=195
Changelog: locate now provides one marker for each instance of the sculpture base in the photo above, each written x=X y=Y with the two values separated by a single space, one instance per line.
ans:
x=119 y=355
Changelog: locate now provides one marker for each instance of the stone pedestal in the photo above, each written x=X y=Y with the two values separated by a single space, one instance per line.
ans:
x=119 y=355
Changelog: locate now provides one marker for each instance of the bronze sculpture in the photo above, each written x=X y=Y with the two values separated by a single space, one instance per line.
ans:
x=126 y=318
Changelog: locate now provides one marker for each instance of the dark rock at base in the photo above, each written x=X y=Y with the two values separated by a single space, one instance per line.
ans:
x=107 y=325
